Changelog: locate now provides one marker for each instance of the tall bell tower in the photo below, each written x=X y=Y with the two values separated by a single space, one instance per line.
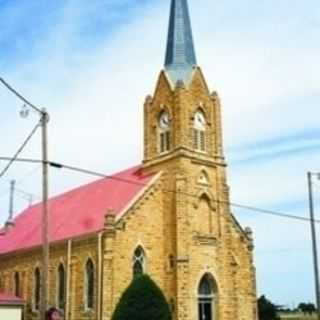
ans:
x=182 y=117
x=212 y=274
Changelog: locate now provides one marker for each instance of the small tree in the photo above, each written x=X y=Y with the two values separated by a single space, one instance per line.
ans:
x=302 y=307
x=267 y=310
x=311 y=308
x=142 y=300
x=307 y=308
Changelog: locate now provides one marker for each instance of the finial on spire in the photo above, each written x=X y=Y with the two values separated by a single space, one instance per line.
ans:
x=180 y=56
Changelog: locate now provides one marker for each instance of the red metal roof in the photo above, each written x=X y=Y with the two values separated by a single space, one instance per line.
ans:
x=77 y=212
x=9 y=299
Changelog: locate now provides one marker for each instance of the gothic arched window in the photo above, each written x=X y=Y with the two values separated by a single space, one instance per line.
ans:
x=61 y=287
x=206 y=298
x=1 y=283
x=164 y=132
x=138 y=261
x=89 y=284
x=199 y=131
x=36 y=292
x=16 y=279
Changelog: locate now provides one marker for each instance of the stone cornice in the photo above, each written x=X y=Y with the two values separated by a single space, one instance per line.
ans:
x=183 y=152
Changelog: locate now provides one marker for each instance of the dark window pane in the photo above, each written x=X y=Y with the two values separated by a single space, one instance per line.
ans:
x=195 y=138
x=17 y=284
x=202 y=141
x=167 y=141
x=137 y=268
x=62 y=287
x=207 y=311
x=90 y=284
x=37 y=289
x=200 y=311
x=205 y=287
x=162 y=147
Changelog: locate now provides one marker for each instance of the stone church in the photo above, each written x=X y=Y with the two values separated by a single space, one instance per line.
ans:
x=168 y=217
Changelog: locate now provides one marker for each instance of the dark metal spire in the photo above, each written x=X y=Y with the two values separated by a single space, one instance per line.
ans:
x=180 y=56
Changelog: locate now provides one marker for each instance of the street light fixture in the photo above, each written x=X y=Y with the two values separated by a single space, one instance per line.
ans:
x=44 y=119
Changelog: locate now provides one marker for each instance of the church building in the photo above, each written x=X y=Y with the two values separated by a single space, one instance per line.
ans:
x=168 y=217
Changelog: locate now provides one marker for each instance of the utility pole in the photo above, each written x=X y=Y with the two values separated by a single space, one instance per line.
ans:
x=44 y=118
x=9 y=222
x=45 y=236
x=12 y=186
x=314 y=243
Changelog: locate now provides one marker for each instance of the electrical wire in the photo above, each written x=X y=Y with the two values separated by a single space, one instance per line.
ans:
x=27 y=195
x=13 y=159
x=237 y=205
x=28 y=174
x=20 y=96
x=23 y=178
x=102 y=175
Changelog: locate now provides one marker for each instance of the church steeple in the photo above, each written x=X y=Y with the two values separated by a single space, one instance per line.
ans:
x=180 y=56
x=182 y=118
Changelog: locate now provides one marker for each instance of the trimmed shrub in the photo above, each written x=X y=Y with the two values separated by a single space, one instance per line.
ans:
x=142 y=300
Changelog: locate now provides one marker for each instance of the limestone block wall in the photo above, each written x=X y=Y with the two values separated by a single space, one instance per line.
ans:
x=25 y=264
x=142 y=226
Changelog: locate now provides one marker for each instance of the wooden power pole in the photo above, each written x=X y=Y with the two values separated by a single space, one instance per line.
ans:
x=9 y=222
x=314 y=244
x=45 y=222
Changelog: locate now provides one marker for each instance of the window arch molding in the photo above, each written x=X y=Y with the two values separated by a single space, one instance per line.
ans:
x=139 y=261
x=89 y=284
x=200 y=109
x=61 y=286
x=207 y=297
x=164 y=130
x=207 y=196
x=200 y=128
x=203 y=177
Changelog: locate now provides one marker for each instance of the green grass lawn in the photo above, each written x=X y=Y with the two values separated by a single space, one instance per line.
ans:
x=297 y=317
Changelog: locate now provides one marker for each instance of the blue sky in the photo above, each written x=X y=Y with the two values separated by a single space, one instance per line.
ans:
x=77 y=57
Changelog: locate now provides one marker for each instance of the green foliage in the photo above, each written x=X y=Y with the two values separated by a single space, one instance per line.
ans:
x=267 y=310
x=307 y=308
x=142 y=300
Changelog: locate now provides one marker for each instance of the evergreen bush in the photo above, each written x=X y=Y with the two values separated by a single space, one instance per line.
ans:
x=142 y=300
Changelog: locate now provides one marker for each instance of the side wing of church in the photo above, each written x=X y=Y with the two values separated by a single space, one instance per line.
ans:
x=169 y=217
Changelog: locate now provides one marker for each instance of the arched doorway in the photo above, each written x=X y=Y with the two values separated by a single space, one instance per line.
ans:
x=207 y=292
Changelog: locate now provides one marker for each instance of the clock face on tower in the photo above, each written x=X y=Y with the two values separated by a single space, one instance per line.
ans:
x=164 y=121
x=200 y=121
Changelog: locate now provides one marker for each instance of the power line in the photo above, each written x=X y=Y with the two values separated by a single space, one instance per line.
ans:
x=27 y=194
x=28 y=160
x=247 y=207
x=270 y=212
x=24 y=177
x=19 y=151
x=102 y=175
x=20 y=96
x=28 y=174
